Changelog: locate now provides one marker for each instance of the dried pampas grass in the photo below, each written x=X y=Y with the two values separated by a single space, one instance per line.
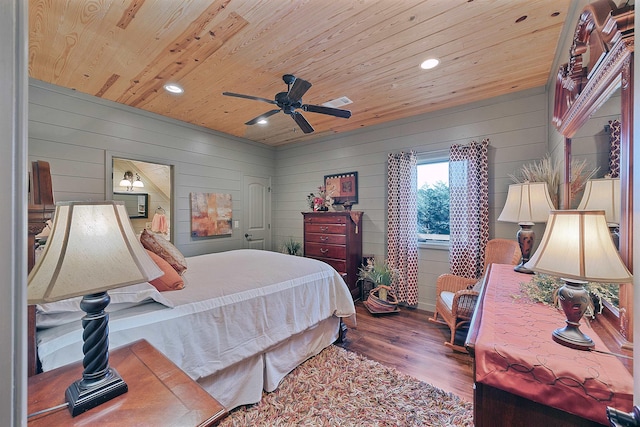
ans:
x=546 y=170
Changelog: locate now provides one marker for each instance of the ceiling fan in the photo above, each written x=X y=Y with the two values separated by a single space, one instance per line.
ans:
x=291 y=100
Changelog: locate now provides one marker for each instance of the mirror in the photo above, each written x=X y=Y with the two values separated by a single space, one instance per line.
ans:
x=599 y=67
x=151 y=178
x=136 y=204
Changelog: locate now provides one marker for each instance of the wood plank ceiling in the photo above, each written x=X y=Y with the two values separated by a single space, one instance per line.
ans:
x=366 y=50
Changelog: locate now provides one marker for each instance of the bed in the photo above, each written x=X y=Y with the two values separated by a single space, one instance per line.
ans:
x=244 y=319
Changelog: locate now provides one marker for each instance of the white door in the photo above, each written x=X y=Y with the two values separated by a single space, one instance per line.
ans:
x=257 y=213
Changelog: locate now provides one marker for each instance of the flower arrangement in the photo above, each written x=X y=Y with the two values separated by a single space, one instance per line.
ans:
x=544 y=289
x=320 y=201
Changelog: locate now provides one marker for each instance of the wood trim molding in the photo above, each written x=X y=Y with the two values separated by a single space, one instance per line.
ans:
x=605 y=33
x=603 y=37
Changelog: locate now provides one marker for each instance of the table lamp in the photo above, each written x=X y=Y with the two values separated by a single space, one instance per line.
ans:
x=604 y=193
x=577 y=247
x=92 y=248
x=527 y=203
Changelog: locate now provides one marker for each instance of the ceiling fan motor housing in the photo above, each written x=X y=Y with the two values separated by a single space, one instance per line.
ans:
x=291 y=100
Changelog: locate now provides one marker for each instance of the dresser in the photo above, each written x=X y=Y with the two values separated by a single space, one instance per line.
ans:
x=336 y=238
x=523 y=378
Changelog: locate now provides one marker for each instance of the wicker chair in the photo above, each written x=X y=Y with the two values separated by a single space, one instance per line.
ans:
x=457 y=296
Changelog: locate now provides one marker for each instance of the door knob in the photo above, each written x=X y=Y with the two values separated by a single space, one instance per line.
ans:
x=247 y=236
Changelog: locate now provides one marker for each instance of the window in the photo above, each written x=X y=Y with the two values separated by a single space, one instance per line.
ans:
x=433 y=201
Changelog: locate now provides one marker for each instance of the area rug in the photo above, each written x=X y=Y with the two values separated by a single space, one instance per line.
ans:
x=341 y=388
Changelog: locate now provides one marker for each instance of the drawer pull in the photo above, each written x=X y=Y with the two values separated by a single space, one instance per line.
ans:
x=324 y=228
x=324 y=238
x=324 y=251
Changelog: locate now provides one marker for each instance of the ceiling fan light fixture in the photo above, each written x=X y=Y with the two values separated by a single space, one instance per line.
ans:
x=173 y=88
x=430 y=63
x=262 y=121
x=138 y=182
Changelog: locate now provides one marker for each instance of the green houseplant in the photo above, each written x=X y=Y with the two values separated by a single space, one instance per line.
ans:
x=292 y=247
x=379 y=274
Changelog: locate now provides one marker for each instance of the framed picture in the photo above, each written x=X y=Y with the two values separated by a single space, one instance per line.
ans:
x=342 y=187
x=211 y=214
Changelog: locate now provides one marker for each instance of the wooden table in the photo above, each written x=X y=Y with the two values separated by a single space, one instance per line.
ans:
x=159 y=394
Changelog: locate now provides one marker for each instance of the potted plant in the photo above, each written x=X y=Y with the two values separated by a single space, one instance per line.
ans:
x=543 y=288
x=291 y=247
x=381 y=274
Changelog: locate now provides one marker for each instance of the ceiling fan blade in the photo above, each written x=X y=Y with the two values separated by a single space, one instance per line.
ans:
x=255 y=98
x=299 y=88
x=302 y=122
x=345 y=114
x=262 y=116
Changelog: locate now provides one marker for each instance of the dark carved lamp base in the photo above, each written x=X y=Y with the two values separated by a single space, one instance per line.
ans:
x=526 y=238
x=574 y=299
x=82 y=396
x=99 y=382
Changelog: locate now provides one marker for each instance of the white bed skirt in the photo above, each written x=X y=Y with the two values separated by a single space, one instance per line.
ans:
x=243 y=383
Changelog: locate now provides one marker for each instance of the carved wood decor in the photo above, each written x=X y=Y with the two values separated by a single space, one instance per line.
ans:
x=600 y=61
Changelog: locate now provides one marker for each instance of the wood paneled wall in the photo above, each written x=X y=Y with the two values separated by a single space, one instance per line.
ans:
x=75 y=132
x=517 y=126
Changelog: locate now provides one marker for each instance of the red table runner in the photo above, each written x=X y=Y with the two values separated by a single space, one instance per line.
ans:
x=514 y=352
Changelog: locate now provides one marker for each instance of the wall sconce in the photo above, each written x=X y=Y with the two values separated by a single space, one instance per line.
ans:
x=128 y=181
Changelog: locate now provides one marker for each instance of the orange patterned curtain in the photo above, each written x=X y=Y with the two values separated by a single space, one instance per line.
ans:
x=402 y=224
x=468 y=208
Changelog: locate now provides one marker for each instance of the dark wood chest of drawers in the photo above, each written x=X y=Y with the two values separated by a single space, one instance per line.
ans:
x=336 y=238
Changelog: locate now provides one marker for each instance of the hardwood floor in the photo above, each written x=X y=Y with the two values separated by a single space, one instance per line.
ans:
x=410 y=343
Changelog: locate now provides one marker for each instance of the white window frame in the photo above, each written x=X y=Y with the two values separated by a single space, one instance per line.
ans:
x=423 y=159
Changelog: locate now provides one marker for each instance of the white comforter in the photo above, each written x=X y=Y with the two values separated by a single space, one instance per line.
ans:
x=235 y=304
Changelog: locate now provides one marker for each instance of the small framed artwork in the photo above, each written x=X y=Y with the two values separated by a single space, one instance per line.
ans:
x=342 y=187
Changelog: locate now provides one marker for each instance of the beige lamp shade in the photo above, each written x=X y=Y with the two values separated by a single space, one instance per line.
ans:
x=577 y=245
x=603 y=194
x=527 y=202
x=92 y=248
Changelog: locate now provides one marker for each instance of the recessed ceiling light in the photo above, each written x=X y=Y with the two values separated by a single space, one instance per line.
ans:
x=173 y=88
x=429 y=64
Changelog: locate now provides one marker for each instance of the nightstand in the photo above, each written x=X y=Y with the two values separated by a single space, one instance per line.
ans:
x=160 y=394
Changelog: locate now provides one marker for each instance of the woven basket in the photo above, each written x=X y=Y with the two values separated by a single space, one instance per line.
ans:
x=378 y=305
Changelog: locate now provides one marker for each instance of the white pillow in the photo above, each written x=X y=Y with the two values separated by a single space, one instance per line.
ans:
x=57 y=313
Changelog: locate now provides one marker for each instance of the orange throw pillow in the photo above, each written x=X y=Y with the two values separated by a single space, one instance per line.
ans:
x=170 y=280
